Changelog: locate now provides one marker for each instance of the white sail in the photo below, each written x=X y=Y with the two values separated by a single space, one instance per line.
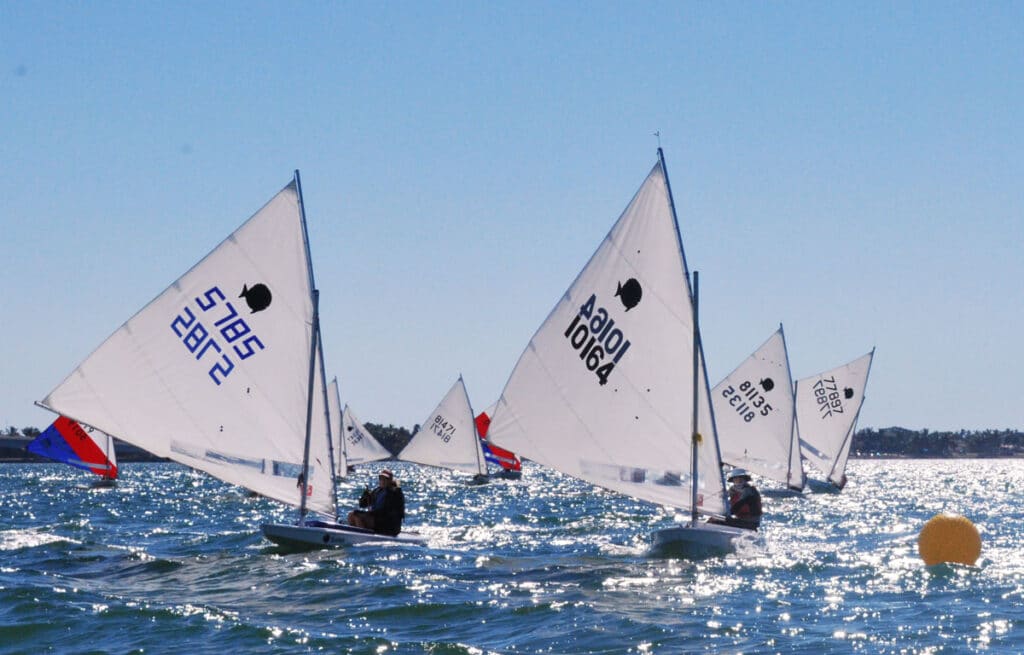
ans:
x=605 y=389
x=827 y=406
x=334 y=411
x=108 y=448
x=214 y=372
x=754 y=411
x=448 y=437
x=360 y=444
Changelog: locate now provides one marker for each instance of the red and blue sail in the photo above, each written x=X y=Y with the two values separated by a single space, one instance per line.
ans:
x=497 y=455
x=66 y=441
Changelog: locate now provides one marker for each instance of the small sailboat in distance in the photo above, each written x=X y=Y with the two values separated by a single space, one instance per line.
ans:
x=754 y=415
x=612 y=388
x=508 y=463
x=827 y=407
x=448 y=438
x=68 y=442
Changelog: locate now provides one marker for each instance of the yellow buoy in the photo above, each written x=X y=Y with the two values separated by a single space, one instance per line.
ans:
x=949 y=538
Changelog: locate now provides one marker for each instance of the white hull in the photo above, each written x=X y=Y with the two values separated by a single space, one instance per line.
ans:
x=704 y=538
x=330 y=535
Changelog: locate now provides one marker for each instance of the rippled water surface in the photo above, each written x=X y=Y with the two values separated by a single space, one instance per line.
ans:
x=171 y=561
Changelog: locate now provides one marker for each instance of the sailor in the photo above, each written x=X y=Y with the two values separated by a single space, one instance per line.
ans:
x=744 y=501
x=385 y=506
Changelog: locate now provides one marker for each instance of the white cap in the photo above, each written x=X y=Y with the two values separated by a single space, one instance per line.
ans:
x=737 y=473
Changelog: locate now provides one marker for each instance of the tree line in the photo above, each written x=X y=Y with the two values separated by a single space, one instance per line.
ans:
x=868 y=442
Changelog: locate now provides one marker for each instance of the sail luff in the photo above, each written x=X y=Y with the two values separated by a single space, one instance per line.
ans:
x=796 y=460
x=481 y=461
x=698 y=347
x=694 y=465
x=309 y=404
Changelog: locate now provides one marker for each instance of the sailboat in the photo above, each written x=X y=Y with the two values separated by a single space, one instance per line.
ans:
x=612 y=388
x=68 y=442
x=223 y=371
x=448 y=438
x=356 y=443
x=508 y=463
x=827 y=407
x=754 y=414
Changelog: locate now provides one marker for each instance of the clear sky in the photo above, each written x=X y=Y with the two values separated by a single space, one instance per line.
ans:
x=853 y=170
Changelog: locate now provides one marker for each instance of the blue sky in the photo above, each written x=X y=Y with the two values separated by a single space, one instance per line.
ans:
x=851 y=170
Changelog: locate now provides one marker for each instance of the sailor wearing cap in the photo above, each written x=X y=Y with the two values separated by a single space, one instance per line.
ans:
x=744 y=500
x=385 y=506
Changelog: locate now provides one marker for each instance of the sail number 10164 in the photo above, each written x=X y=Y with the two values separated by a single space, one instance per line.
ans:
x=593 y=333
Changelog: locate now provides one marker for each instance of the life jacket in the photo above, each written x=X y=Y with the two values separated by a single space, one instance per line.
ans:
x=745 y=503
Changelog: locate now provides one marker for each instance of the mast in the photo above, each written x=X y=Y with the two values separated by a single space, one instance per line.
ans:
x=694 y=435
x=304 y=477
x=327 y=422
x=314 y=346
x=792 y=425
x=481 y=461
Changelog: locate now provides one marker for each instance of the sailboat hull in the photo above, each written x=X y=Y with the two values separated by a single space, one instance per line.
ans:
x=319 y=534
x=700 y=539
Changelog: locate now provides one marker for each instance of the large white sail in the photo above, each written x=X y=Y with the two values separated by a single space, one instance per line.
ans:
x=605 y=389
x=827 y=406
x=214 y=372
x=448 y=437
x=754 y=411
x=360 y=444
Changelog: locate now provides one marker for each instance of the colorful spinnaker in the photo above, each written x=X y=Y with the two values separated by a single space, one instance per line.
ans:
x=68 y=442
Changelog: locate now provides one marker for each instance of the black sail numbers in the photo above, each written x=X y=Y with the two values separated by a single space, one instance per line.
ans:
x=593 y=333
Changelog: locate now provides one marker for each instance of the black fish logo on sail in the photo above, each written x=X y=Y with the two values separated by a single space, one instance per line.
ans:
x=629 y=293
x=847 y=393
x=767 y=384
x=258 y=297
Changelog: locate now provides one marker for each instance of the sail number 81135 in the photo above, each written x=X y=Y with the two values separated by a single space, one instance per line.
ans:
x=593 y=333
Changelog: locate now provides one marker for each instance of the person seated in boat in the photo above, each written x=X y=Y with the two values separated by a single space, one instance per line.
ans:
x=744 y=501
x=385 y=507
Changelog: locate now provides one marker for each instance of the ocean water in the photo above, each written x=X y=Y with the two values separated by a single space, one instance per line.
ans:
x=172 y=561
